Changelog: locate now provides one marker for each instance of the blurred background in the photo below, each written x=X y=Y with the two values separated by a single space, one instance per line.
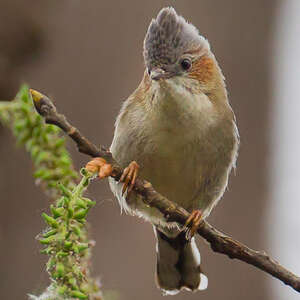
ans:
x=87 y=55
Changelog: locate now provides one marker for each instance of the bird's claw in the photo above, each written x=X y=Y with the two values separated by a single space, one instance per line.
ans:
x=100 y=166
x=192 y=223
x=129 y=177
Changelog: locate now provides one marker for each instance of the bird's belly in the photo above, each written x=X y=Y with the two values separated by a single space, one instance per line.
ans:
x=170 y=164
x=183 y=169
x=172 y=169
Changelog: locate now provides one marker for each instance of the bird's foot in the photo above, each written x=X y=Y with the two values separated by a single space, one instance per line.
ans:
x=100 y=166
x=129 y=177
x=192 y=223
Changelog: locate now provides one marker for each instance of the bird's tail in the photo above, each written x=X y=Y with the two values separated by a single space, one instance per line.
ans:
x=178 y=264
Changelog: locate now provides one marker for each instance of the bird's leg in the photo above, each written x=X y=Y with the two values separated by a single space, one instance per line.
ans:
x=192 y=223
x=100 y=166
x=129 y=177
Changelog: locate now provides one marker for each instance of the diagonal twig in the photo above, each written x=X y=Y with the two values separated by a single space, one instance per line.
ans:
x=219 y=242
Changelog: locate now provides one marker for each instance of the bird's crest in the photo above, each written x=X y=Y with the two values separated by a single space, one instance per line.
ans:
x=168 y=37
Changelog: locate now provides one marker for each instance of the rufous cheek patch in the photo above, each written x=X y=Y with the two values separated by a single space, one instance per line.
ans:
x=203 y=69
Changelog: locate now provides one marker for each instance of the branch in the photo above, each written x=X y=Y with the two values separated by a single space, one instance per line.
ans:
x=219 y=242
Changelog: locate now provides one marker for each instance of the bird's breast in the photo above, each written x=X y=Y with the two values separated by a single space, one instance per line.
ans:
x=180 y=143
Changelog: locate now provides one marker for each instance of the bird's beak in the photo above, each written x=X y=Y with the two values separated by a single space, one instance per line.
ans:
x=158 y=73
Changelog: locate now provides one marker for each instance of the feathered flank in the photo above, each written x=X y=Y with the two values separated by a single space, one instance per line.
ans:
x=168 y=37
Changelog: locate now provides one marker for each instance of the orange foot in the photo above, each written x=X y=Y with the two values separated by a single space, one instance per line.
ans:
x=99 y=165
x=129 y=177
x=193 y=222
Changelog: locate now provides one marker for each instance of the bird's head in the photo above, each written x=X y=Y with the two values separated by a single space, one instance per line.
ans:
x=174 y=49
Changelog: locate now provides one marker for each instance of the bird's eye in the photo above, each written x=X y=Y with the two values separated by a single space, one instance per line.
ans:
x=186 y=64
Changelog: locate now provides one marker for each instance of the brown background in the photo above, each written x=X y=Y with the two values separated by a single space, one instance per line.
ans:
x=87 y=55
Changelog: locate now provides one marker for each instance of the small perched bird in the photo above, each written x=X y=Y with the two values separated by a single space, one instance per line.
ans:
x=178 y=131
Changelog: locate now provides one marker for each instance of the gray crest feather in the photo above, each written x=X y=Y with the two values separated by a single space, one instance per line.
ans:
x=168 y=37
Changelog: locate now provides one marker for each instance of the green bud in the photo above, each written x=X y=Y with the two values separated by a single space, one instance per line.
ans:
x=66 y=200
x=70 y=212
x=62 y=254
x=78 y=294
x=66 y=192
x=89 y=202
x=80 y=214
x=60 y=210
x=84 y=172
x=82 y=246
x=76 y=230
x=49 y=233
x=60 y=269
x=59 y=142
x=81 y=203
x=48 y=240
x=42 y=156
x=68 y=245
x=60 y=202
x=56 y=212
x=50 y=221
x=86 y=181
x=75 y=249
x=81 y=221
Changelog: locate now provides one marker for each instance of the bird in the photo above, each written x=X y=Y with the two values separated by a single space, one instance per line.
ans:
x=178 y=131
